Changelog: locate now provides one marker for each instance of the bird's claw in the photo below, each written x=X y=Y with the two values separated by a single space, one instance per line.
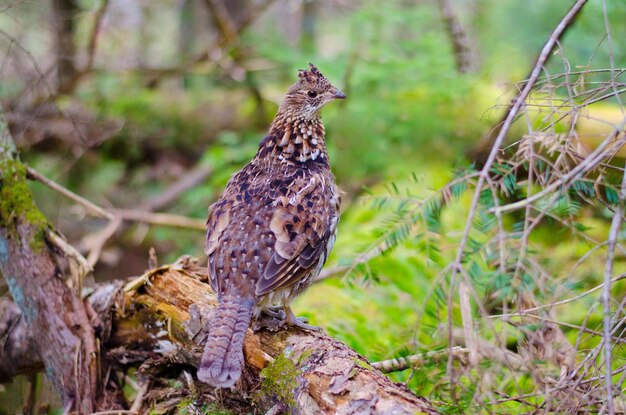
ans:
x=276 y=318
x=275 y=312
x=300 y=322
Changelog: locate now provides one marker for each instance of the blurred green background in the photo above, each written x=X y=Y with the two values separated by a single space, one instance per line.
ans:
x=170 y=88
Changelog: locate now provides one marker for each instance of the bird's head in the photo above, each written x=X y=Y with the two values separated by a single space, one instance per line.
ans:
x=310 y=93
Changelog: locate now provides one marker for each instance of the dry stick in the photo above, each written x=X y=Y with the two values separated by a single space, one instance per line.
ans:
x=571 y=326
x=79 y=266
x=566 y=301
x=506 y=125
x=406 y=362
x=138 y=402
x=135 y=215
x=223 y=21
x=101 y=238
x=613 y=234
x=166 y=219
x=117 y=216
x=555 y=36
x=588 y=164
x=615 y=93
x=591 y=356
x=90 y=206
x=606 y=298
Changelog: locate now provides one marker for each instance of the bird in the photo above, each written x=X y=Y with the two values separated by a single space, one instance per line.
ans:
x=271 y=231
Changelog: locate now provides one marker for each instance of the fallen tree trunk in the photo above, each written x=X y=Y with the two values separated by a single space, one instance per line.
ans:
x=157 y=322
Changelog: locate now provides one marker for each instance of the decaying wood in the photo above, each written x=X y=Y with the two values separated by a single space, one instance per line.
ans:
x=158 y=320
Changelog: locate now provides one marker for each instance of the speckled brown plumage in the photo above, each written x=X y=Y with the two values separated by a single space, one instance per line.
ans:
x=270 y=233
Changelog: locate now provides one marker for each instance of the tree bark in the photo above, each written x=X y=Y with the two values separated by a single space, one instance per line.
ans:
x=158 y=320
x=465 y=54
x=33 y=270
x=64 y=12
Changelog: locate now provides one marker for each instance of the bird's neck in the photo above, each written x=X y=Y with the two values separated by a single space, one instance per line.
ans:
x=295 y=139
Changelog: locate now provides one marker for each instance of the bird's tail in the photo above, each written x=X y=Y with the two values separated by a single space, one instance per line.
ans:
x=222 y=360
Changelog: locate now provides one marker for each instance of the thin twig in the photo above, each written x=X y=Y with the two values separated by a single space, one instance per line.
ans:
x=557 y=303
x=90 y=206
x=606 y=296
x=135 y=215
x=585 y=166
x=164 y=219
x=571 y=326
x=141 y=394
x=506 y=125
x=545 y=54
x=79 y=266
x=96 y=242
x=613 y=235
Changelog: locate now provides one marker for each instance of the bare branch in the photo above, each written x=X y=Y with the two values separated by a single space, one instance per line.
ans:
x=484 y=173
x=134 y=215
x=90 y=206
x=163 y=219
x=606 y=296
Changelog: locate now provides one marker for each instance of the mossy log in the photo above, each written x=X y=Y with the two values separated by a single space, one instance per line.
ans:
x=157 y=322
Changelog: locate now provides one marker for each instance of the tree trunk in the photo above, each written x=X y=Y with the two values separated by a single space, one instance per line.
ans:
x=158 y=320
x=64 y=12
x=464 y=52
x=32 y=268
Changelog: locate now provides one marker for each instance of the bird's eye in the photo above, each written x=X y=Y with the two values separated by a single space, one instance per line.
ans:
x=312 y=94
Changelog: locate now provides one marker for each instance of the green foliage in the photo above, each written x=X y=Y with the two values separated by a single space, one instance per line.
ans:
x=190 y=406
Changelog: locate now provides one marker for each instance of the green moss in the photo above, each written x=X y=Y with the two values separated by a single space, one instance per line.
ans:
x=362 y=364
x=16 y=199
x=304 y=356
x=189 y=406
x=186 y=406
x=214 y=409
x=279 y=379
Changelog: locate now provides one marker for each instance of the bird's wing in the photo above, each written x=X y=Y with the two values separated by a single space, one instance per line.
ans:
x=302 y=223
x=216 y=223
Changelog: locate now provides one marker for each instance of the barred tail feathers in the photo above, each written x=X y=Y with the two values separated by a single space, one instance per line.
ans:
x=222 y=360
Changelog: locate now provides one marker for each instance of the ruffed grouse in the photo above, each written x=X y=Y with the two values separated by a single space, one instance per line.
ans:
x=270 y=233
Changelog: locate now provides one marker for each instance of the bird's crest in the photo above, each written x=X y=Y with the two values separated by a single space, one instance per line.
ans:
x=312 y=76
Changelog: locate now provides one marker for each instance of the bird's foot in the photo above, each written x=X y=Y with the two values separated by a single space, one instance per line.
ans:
x=300 y=322
x=276 y=318
x=271 y=319
x=275 y=312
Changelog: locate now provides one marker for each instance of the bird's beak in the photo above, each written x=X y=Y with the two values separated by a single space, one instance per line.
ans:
x=339 y=95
